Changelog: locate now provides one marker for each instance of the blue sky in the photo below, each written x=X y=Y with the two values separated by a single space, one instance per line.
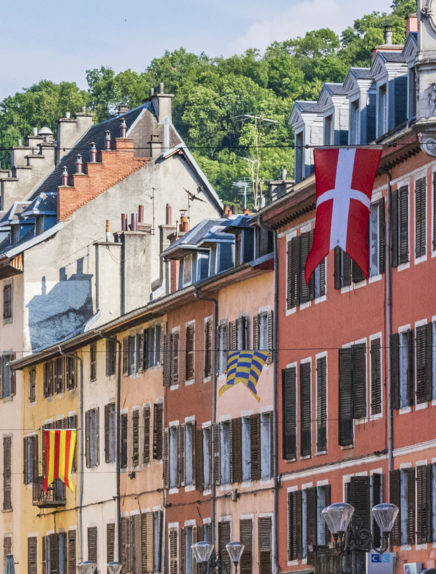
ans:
x=55 y=40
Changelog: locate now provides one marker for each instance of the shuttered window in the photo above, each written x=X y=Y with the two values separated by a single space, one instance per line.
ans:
x=263 y=333
x=125 y=356
x=420 y=217
x=136 y=547
x=110 y=542
x=111 y=356
x=147 y=541
x=146 y=421
x=58 y=366
x=125 y=544
x=70 y=374
x=190 y=352
x=207 y=458
x=400 y=226
x=48 y=379
x=237 y=450
x=157 y=431
x=32 y=555
x=150 y=354
x=173 y=551
x=246 y=538
x=131 y=354
x=242 y=333
x=226 y=451
x=295 y=548
x=346 y=270
x=360 y=498
x=376 y=380
x=7 y=301
x=189 y=453
x=32 y=385
x=71 y=559
x=92 y=543
x=223 y=539
x=321 y=404
x=289 y=392
x=93 y=362
x=424 y=500
x=424 y=367
x=305 y=410
x=297 y=290
x=7 y=473
x=402 y=493
x=402 y=369
x=222 y=347
x=352 y=390
x=180 y=456
x=266 y=445
x=199 y=461
x=377 y=238
x=174 y=351
x=139 y=352
x=255 y=446
x=265 y=544
x=109 y=432
x=135 y=438
x=92 y=437
x=207 y=348
x=30 y=454
x=124 y=439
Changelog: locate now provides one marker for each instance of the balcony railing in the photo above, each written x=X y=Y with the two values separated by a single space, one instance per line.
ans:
x=55 y=495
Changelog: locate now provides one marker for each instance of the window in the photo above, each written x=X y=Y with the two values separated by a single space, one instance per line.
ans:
x=7 y=375
x=265 y=544
x=377 y=238
x=376 y=378
x=297 y=290
x=157 y=534
x=7 y=473
x=223 y=539
x=265 y=446
x=93 y=362
x=7 y=301
x=189 y=454
x=152 y=343
x=111 y=356
x=158 y=431
x=424 y=352
x=190 y=352
x=124 y=439
x=305 y=410
x=328 y=130
x=420 y=217
x=352 y=390
x=263 y=333
x=225 y=452
x=242 y=334
x=382 y=126
x=71 y=373
x=110 y=542
x=135 y=437
x=146 y=417
x=92 y=437
x=206 y=458
x=299 y=157
x=174 y=358
x=131 y=368
x=403 y=392
x=187 y=534
x=32 y=385
x=173 y=550
x=246 y=538
x=289 y=394
x=72 y=561
x=139 y=352
x=58 y=370
x=54 y=552
x=346 y=270
x=109 y=432
x=92 y=543
x=400 y=226
x=402 y=493
x=354 y=122
x=30 y=452
x=321 y=404
x=208 y=348
x=173 y=434
x=246 y=449
x=425 y=500
x=222 y=347
x=32 y=555
x=187 y=270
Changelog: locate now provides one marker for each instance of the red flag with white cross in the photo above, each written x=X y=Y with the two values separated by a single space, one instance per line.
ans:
x=344 y=182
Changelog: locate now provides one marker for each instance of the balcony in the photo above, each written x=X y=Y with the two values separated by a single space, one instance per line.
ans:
x=55 y=495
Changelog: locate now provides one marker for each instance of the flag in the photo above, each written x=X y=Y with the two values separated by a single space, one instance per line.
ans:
x=244 y=367
x=59 y=454
x=344 y=181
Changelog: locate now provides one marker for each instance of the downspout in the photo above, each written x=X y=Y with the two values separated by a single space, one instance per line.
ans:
x=118 y=453
x=275 y=400
x=81 y=451
x=214 y=401
x=388 y=244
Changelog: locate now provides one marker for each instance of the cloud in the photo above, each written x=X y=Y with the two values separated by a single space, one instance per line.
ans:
x=302 y=17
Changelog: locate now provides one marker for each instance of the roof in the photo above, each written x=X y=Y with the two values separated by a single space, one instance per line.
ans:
x=96 y=134
x=335 y=89
x=361 y=73
x=13 y=214
x=308 y=107
x=394 y=57
x=240 y=222
x=44 y=204
x=191 y=238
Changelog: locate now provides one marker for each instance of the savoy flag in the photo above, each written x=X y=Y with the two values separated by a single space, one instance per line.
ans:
x=344 y=181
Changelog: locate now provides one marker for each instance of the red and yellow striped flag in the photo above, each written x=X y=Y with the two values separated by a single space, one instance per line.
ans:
x=59 y=453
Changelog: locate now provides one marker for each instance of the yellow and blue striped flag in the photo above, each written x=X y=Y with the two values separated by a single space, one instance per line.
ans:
x=244 y=367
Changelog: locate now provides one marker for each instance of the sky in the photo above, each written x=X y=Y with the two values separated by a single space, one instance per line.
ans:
x=59 y=41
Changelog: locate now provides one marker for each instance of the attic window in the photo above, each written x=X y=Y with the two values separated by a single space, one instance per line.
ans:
x=187 y=270
x=382 y=110
x=354 y=122
x=328 y=129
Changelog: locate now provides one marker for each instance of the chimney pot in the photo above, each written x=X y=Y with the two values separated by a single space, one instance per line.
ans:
x=140 y=213
x=65 y=176
x=168 y=214
x=35 y=131
x=184 y=225
x=411 y=24
x=284 y=174
x=93 y=153
x=124 y=221
x=108 y=229
x=68 y=115
x=123 y=128
x=151 y=91
x=84 y=109
x=133 y=222
x=108 y=140
x=388 y=35
x=161 y=88
x=20 y=143
x=79 y=164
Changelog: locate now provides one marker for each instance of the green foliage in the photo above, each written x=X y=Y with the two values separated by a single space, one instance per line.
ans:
x=215 y=97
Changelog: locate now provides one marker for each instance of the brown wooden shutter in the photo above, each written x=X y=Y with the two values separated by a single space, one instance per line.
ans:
x=110 y=542
x=92 y=543
x=424 y=353
x=135 y=438
x=299 y=523
x=360 y=498
x=106 y=433
x=166 y=361
x=376 y=388
x=236 y=450
x=125 y=544
x=139 y=352
x=124 y=438
x=54 y=553
x=44 y=555
x=256 y=332
x=71 y=551
x=321 y=398
x=147 y=542
x=232 y=335
x=125 y=356
x=358 y=356
x=32 y=555
x=420 y=217
x=381 y=235
x=403 y=208
x=208 y=348
x=395 y=370
x=216 y=453
x=189 y=355
x=295 y=273
x=376 y=485
x=345 y=398
x=199 y=462
x=7 y=473
x=270 y=337
x=410 y=367
x=356 y=273
x=157 y=431
x=421 y=505
x=137 y=548
x=327 y=500
x=180 y=455
x=338 y=268
x=255 y=446
x=347 y=274
x=394 y=228
x=182 y=548
x=223 y=539
x=395 y=498
x=312 y=515
x=174 y=559
x=246 y=538
x=410 y=473
x=429 y=502
x=305 y=411
x=146 y=416
x=305 y=241
x=289 y=392
x=265 y=544
x=175 y=359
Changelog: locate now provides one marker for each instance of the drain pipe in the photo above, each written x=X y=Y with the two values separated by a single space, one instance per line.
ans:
x=214 y=401
x=388 y=287
x=275 y=395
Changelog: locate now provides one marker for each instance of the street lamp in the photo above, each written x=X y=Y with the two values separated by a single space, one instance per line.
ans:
x=350 y=536
x=203 y=555
x=86 y=567
x=114 y=568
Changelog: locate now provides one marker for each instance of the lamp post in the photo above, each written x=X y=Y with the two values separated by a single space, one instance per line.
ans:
x=86 y=567
x=203 y=553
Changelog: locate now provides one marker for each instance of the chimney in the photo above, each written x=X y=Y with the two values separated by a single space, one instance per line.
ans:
x=162 y=103
x=108 y=229
x=124 y=222
x=140 y=213
x=68 y=115
x=133 y=222
x=411 y=24
x=122 y=109
x=79 y=164
x=227 y=211
x=168 y=215
x=65 y=176
x=123 y=128
x=155 y=145
x=184 y=225
x=35 y=131
x=93 y=153
x=388 y=35
x=107 y=140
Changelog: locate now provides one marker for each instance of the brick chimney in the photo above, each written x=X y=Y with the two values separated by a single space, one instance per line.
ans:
x=411 y=24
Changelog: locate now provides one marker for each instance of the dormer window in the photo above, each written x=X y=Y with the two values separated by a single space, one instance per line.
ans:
x=382 y=110
x=411 y=84
x=328 y=130
x=187 y=270
x=299 y=157
x=354 y=123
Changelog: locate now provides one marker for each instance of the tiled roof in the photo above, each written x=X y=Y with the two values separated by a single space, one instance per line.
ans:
x=395 y=57
x=308 y=107
x=336 y=89
x=361 y=73
x=44 y=204
x=241 y=221
x=13 y=213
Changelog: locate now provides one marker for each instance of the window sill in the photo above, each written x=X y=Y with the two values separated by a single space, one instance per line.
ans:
x=421 y=406
x=207 y=379
x=207 y=492
x=375 y=278
x=189 y=382
x=290 y=311
x=320 y=299
x=420 y=259
x=307 y=457
x=405 y=547
x=421 y=546
x=376 y=417
x=267 y=481
x=403 y=266
x=321 y=452
x=347 y=447
x=246 y=483
x=225 y=487
x=404 y=410
x=173 y=490
x=189 y=488
x=174 y=387
x=290 y=460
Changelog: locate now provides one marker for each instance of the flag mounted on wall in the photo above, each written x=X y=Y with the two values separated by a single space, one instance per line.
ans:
x=59 y=454
x=244 y=367
x=344 y=182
